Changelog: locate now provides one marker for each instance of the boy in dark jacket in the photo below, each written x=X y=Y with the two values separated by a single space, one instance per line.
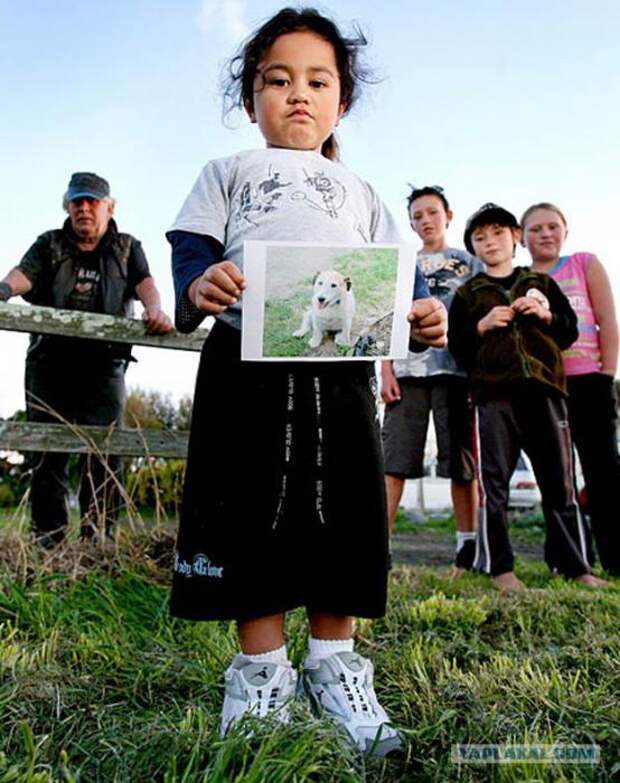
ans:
x=507 y=328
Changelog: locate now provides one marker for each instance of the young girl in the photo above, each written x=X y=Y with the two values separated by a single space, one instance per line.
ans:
x=284 y=503
x=590 y=365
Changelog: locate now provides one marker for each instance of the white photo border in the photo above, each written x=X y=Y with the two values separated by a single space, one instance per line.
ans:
x=253 y=302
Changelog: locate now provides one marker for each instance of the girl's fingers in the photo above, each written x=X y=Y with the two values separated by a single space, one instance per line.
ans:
x=235 y=274
x=211 y=299
x=434 y=335
x=227 y=273
x=211 y=308
x=215 y=292
x=220 y=280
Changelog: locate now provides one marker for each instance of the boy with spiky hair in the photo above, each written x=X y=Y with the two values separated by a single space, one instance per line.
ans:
x=430 y=382
x=507 y=328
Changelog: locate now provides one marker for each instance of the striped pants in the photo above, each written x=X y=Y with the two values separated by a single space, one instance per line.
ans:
x=528 y=418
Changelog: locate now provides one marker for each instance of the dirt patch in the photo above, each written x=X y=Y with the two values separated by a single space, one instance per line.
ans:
x=374 y=340
x=435 y=548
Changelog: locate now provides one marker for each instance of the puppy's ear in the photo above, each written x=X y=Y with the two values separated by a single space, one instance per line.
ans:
x=316 y=277
x=347 y=282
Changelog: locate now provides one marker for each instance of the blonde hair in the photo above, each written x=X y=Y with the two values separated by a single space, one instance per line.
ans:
x=543 y=205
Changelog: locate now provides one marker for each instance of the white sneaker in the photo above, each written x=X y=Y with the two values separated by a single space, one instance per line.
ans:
x=259 y=689
x=341 y=687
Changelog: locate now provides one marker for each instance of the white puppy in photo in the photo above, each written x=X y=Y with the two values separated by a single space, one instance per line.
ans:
x=332 y=309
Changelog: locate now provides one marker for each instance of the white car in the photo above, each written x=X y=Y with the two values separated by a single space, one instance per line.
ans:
x=524 y=492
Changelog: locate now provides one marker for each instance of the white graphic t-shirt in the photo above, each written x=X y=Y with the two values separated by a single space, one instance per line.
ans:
x=282 y=195
x=444 y=272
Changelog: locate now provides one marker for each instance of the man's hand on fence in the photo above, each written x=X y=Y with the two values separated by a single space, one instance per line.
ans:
x=156 y=321
x=218 y=288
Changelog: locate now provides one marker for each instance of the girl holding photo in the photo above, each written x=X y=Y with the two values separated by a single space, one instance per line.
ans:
x=284 y=503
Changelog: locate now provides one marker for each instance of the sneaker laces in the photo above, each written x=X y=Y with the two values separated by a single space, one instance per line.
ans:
x=356 y=695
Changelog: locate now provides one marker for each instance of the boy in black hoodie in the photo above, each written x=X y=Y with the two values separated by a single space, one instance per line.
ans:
x=507 y=328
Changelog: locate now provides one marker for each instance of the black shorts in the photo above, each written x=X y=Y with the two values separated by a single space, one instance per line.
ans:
x=405 y=426
x=284 y=501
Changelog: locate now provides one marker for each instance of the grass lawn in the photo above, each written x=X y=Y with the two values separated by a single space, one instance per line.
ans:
x=99 y=684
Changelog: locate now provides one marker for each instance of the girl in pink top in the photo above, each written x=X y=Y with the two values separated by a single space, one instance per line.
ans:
x=590 y=364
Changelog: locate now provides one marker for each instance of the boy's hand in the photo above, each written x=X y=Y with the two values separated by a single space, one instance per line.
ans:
x=497 y=318
x=390 y=388
x=527 y=305
x=218 y=288
x=429 y=322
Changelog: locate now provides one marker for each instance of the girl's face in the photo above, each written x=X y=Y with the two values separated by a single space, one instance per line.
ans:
x=429 y=218
x=296 y=100
x=545 y=233
x=494 y=245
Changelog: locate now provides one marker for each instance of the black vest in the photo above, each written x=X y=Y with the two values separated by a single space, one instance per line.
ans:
x=57 y=282
x=58 y=279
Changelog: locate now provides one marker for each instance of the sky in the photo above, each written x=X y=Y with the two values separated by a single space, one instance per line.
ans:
x=495 y=100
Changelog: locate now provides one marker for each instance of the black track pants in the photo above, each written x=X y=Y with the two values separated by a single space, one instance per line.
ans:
x=530 y=419
x=592 y=416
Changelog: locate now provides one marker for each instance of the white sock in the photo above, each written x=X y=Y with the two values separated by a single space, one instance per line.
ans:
x=272 y=656
x=323 y=648
x=463 y=536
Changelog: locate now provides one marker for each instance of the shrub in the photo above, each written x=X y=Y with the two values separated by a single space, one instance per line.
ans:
x=153 y=482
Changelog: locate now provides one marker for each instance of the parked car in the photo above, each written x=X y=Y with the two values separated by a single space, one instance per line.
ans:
x=523 y=493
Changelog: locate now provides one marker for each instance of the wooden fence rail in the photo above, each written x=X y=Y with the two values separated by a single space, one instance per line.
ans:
x=81 y=439
x=92 y=326
x=29 y=436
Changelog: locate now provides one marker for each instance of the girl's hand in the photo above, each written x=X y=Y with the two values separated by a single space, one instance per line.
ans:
x=390 y=388
x=527 y=305
x=429 y=322
x=497 y=318
x=218 y=288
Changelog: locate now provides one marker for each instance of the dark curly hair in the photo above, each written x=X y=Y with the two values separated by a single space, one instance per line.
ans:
x=238 y=83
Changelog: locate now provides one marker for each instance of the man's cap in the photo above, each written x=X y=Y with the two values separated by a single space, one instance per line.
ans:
x=85 y=184
x=489 y=214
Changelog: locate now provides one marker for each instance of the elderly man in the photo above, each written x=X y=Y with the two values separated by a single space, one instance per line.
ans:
x=85 y=265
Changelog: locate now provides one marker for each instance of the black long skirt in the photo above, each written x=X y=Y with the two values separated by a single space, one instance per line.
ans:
x=284 y=499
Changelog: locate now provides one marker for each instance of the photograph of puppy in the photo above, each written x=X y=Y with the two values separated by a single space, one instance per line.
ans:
x=331 y=311
x=313 y=301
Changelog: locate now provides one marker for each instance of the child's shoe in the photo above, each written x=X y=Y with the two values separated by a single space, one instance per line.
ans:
x=340 y=687
x=465 y=556
x=258 y=689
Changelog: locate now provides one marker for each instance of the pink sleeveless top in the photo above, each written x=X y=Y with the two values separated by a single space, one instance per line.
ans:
x=584 y=355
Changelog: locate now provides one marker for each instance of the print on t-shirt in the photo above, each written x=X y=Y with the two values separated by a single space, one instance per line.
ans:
x=331 y=192
x=443 y=275
x=84 y=294
x=444 y=271
x=321 y=192
x=254 y=202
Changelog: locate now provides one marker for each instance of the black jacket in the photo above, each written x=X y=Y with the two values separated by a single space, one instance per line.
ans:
x=52 y=265
x=526 y=349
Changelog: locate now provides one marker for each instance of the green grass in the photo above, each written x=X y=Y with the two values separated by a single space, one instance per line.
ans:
x=98 y=683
